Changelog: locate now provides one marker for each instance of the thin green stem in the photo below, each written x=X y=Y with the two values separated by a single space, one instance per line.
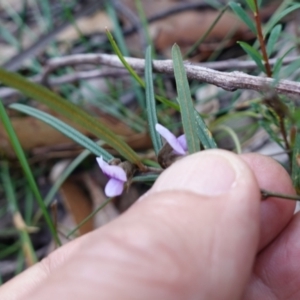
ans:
x=88 y=217
x=204 y=36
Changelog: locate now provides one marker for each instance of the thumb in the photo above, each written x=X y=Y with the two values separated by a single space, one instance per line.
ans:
x=193 y=236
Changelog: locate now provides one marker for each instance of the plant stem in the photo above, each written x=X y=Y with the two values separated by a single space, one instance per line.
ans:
x=268 y=70
x=262 y=40
x=202 y=38
x=266 y=194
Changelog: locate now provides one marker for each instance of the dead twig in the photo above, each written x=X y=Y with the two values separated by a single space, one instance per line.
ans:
x=138 y=64
x=229 y=81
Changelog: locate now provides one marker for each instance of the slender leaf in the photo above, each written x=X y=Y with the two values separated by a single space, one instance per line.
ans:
x=290 y=70
x=185 y=102
x=123 y=60
x=145 y=178
x=65 y=129
x=278 y=64
x=151 y=103
x=277 y=17
x=254 y=54
x=273 y=38
x=134 y=74
x=242 y=14
x=26 y=169
x=265 y=124
x=71 y=111
x=251 y=5
x=203 y=133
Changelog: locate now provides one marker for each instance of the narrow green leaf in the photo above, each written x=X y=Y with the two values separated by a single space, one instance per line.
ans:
x=242 y=14
x=151 y=103
x=266 y=125
x=278 y=64
x=254 y=54
x=71 y=111
x=145 y=178
x=296 y=163
x=273 y=38
x=134 y=74
x=65 y=129
x=123 y=60
x=26 y=169
x=251 y=5
x=185 y=102
x=290 y=69
x=277 y=17
x=203 y=133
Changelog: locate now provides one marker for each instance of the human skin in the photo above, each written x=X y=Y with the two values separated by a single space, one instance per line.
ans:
x=201 y=232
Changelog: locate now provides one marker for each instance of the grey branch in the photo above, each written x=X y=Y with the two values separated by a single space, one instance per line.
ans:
x=205 y=72
x=229 y=81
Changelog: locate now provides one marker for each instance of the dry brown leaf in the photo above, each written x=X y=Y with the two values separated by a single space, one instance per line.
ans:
x=78 y=204
x=185 y=28
x=33 y=133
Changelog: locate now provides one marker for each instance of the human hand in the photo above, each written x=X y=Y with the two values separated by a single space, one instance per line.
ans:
x=201 y=232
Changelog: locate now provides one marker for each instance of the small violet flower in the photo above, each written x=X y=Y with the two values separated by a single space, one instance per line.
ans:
x=179 y=144
x=117 y=178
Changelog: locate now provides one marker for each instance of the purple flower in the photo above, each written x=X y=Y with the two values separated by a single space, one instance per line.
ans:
x=117 y=178
x=179 y=144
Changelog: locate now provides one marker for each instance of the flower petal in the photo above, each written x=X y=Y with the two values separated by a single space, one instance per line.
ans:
x=111 y=171
x=114 y=187
x=170 y=138
x=182 y=141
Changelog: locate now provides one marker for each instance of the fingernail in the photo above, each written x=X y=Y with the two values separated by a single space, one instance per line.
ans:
x=206 y=173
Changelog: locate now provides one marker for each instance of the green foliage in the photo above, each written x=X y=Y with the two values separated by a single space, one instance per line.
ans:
x=65 y=129
x=14 y=209
x=277 y=17
x=203 y=133
x=185 y=102
x=242 y=14
x=134 y=74
x=254 y=54
x=70 y=111
x=273 y=38
x=251 y=5
x=26 y=169
x=278 y=64
x=151 y=103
